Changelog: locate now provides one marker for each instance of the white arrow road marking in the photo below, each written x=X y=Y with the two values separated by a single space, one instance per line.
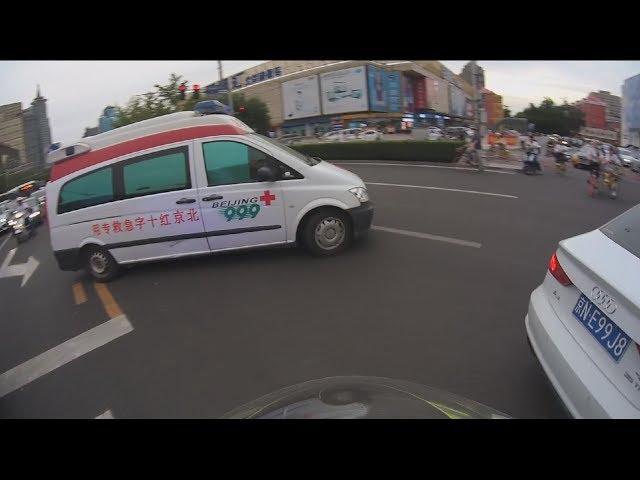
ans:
x=24 y=270
x=105 y=415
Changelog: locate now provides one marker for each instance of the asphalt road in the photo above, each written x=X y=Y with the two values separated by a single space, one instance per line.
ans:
x=209 y=334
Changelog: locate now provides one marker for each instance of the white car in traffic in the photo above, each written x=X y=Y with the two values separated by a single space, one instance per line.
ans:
x=370 y=135
x=434 y=133
x=583 y=322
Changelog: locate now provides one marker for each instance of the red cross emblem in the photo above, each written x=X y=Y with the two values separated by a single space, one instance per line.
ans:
x=267 y=197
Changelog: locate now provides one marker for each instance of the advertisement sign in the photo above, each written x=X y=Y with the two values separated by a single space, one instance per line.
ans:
x=217 y=88
x=408 y=102
x=393 y=92
x=378 y=85
x=301 y=98
x=420 y=93
x=344 y=91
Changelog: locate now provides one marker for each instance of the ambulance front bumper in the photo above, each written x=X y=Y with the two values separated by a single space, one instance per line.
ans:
x=361 y=217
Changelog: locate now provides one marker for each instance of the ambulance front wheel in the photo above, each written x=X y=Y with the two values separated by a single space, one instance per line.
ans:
x=328 y=232
x=100 y=264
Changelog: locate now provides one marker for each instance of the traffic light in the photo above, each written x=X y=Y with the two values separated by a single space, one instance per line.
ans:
x=182 y=89
x=196 y=91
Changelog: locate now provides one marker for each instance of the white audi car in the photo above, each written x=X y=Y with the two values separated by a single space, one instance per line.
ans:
x=583 y=322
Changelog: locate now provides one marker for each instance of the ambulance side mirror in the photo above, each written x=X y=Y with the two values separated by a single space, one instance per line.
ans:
x=266 y=173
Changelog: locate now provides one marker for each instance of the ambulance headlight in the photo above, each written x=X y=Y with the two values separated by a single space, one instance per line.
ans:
x=360 y=193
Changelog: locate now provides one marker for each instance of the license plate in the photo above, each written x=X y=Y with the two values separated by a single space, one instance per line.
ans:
x=604 y=330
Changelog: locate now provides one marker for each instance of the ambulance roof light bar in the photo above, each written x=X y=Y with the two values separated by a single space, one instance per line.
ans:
x=63 y=153
x=210 y=107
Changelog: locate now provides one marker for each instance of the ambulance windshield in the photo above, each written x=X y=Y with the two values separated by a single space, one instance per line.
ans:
x=311 y=161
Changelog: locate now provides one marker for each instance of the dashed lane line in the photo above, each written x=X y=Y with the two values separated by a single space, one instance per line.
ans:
x=428 y=236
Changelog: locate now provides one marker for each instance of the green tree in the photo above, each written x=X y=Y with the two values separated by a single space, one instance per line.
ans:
x=506 y=112
x=253 y=111
x=562 y=119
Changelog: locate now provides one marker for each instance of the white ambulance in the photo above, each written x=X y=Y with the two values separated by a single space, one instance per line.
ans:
x=189 y=184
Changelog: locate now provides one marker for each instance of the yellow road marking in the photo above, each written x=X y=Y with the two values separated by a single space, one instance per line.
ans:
x=110 y=305
x=79 y=295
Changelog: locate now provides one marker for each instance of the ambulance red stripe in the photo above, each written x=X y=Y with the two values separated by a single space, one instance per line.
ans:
x=73 y=164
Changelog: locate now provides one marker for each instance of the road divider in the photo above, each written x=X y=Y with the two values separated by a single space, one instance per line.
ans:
x=64 y=353
x=475 y=192
x=381 y=164
x=428 y=236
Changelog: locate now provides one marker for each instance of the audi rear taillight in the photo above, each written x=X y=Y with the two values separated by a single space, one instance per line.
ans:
x=558 y=273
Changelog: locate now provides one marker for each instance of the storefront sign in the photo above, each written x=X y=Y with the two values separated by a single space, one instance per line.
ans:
x=240 y=80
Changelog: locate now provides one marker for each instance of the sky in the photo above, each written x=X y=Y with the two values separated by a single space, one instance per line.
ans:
x=78 y=91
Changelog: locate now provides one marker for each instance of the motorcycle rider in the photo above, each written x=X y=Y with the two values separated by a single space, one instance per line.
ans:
x=532 y=149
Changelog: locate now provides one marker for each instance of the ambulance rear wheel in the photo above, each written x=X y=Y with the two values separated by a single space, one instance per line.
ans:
x=327 y=232
x=100 y=264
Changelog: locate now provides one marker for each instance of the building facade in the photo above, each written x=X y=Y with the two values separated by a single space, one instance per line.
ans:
x=631 y=111
x=613 y=109
x=467 y=75
x=311 y=97
x=105 y=122
x=594 y=110
x=493 y=107
x=12 y=131
x=26 y=131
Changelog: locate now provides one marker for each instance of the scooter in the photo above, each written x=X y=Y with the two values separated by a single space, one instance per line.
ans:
x=22 y=228
x=531 y=165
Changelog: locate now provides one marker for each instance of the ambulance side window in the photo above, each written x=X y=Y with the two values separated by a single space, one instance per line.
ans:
x=228 y=162
x=157 y=172
x=94 y=188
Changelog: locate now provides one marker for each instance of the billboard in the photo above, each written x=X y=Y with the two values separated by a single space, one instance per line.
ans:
x=393 y=92
x=344 y=91
x=631 y=104
x=378 y=86
x=408 y=102
x=420 y=93
x=301 y=98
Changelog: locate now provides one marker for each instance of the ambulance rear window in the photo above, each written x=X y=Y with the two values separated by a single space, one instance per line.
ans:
x=87 y=190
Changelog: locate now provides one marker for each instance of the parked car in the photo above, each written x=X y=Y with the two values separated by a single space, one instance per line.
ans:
x=582 y=321
x=370 y=135
x=579 y=158
x=290 y=138
x=629 y=158
x=434 y=133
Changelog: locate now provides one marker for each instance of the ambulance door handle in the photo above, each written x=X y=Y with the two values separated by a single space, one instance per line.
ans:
x=186 y=200
x=210 y=198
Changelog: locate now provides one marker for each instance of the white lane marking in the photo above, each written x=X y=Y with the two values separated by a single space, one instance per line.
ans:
x=105 y=415
x=423 y=166
x=24 y=270
x=58 y=356
x=440 y=188
x=428 y=236
x=5 y=241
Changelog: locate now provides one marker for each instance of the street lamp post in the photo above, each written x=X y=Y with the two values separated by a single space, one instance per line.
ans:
x=228 y=85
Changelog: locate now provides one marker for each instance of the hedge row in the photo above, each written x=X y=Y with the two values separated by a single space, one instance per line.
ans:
x=8 y=181
x=416 y=150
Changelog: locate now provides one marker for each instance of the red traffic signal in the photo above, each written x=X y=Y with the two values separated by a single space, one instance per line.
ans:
x=182 y=88
x=242 y=109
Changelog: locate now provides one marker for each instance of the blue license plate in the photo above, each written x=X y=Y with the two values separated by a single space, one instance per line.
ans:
x=607 y=333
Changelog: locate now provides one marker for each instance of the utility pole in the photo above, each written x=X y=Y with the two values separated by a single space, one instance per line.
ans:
x=230 y=101
x=478 y=118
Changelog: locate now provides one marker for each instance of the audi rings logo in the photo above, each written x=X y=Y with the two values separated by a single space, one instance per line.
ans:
x=603 y=300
